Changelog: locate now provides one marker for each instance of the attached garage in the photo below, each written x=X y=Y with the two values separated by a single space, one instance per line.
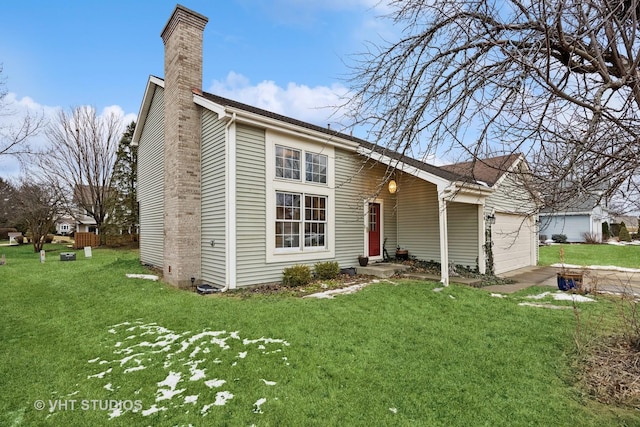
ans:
x=514 y=206
x=514 y=242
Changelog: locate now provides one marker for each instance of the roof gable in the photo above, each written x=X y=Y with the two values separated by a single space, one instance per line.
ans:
x=490 y=171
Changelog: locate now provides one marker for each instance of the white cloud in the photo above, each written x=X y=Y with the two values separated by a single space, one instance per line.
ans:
x=319 y=105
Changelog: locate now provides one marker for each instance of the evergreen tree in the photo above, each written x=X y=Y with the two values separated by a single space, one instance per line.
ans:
x=605 y=231
x=624 y=233
x=125 y=217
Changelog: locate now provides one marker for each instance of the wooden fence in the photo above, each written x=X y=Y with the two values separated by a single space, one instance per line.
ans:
x=86 y=239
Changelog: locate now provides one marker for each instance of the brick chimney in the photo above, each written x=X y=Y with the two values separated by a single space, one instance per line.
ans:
x=182 y=37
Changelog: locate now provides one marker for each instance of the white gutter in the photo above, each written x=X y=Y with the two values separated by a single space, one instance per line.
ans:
x=230 y=208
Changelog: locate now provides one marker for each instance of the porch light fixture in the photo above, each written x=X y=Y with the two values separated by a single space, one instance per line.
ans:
x=491 y=218
x=392 y=186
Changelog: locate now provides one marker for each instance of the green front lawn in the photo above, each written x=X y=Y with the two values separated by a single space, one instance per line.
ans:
x=584 y=254
x=80 y=338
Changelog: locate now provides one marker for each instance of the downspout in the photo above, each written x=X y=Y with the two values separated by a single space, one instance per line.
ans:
x=230 y=209
x=444 y=238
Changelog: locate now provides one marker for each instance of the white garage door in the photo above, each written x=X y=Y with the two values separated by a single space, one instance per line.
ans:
x=513 y=242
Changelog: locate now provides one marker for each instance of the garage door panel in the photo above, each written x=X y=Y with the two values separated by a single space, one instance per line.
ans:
x=512 y=236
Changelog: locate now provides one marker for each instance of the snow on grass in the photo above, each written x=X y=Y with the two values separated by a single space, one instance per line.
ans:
x=563 y=296
x=214 y=383
x=186 y=360
x=222 y=397
x=258 y=404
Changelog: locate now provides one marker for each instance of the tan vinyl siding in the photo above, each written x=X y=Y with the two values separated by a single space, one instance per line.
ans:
x=462 y=226
x=356 y=184
x=151 y=183
x=511 y=196
x=418 y=229
x=250 y=209
x=213 y=199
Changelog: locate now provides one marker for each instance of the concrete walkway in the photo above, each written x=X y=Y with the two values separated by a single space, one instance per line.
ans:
x=595 y=280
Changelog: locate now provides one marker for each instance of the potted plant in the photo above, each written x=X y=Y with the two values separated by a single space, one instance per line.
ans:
x=402 y=253
x=568 y=280
x=363 y=260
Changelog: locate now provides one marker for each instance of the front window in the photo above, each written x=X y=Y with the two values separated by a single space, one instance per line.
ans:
x=316 y=168
x=290 y=223
x=287 y=220
x=287 y=163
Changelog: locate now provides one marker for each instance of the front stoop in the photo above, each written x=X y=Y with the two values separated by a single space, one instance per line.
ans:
x=382 y=269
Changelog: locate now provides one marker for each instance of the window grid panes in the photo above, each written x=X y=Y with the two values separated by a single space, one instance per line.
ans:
x=288 y=163
x=315 y=216
x=288 y=220
x=316 y=168
x=290 y=223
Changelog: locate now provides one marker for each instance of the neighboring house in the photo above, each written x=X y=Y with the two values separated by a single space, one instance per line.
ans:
x=582 y=215
x=231 y=194
x=65 y=225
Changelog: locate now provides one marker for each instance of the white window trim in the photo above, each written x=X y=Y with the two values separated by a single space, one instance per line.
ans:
x=274 y=185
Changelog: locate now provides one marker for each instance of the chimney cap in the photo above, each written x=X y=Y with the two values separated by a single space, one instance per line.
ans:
x=181 y=13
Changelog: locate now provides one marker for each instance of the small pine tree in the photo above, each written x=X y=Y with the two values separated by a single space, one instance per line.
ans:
x=624 y=233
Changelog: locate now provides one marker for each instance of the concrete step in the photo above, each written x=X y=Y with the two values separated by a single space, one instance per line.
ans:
x=382 y=269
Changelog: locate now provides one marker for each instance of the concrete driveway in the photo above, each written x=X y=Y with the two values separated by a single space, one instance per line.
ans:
x=602 y=280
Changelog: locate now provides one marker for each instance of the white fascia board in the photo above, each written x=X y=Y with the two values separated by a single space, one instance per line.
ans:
x=245 y=117
x=210 y=105
x=513 y=167
x=152 y=83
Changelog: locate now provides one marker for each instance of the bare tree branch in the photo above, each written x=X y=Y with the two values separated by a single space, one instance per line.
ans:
x=556 y=80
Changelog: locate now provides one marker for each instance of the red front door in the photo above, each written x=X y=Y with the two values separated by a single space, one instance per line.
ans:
x=374 y=229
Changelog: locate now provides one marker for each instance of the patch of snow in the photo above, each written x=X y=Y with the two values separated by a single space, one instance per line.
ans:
x=597 y=267
x=116 y=412
x=109 y=387
x=539 y=296
x=551 y=306
x=452 y=297
x=172 y=380
x=93 y=360
x=205 y=409
x=135 y=368
x=214 y=383
x=143 y=276
x=394 y=410
x=222 y=397
x=101 y=374
x=341 y=291
x=152 y=410
x=268 y=382
x=191 y=399
x=258 y=404
x=242 y=354
x=167 y=394
x=562 y=296
x=438 y=289
x=498 y=295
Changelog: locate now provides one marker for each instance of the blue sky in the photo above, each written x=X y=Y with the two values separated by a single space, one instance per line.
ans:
x=287 y=56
